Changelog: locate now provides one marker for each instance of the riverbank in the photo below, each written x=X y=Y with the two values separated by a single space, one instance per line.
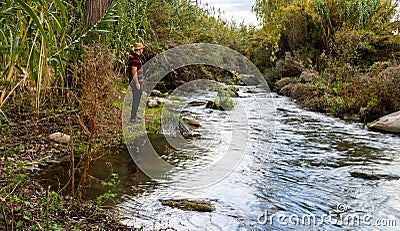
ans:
x=31 y=202
x=26 y=204
x=346 y=91
x=329 y=60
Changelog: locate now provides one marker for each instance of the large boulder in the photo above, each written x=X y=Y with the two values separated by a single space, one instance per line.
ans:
x=388 y=123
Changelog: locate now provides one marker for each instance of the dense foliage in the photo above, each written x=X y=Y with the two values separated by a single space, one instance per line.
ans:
x=329 y=51
x=290 y=25
x=42 y=42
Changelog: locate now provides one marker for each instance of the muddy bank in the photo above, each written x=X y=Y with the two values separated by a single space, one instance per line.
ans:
x=27 y=204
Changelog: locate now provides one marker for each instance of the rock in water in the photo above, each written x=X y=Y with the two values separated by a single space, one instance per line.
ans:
x=156 y=93
x=162 y=100
x=60 y=137
x=152 y=103
x=189 y=205
x=214 y=105
x=192 y=122
x=197 y=103
x=388 y=123
x=367 y=176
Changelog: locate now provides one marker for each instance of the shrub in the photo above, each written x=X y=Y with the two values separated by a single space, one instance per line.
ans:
x=380 y=88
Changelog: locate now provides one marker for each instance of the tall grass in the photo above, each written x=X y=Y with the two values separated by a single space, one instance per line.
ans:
x=367 y=15
x=35 y=48
x=41 y=42
x=132 y=26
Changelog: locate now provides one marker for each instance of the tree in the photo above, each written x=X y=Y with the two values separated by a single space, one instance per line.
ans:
x=323 y=20
x=95 y=10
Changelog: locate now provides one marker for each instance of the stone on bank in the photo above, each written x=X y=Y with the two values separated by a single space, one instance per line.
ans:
x=389 y=123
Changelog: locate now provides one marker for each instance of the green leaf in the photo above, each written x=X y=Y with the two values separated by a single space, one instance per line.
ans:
x=58 y=24
x=34 y=17
x=19 y=223
x=2 y=115
x=5 y=83
x=335 y=90
x=5 y=70
x=62 y=8
x=14 y=48
x=102 y=31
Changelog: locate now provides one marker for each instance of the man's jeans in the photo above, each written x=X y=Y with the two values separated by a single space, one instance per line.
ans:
x=136 y=94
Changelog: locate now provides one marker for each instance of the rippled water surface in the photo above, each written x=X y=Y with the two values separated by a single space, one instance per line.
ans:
x=296 y=163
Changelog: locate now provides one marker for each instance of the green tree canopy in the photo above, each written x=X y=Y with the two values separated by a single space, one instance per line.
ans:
x=324 y=18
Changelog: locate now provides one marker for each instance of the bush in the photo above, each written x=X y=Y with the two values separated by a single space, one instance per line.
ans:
x=347 y=90
x=381 y=90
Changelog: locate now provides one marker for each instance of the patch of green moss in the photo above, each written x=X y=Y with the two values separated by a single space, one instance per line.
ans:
x=153 y=119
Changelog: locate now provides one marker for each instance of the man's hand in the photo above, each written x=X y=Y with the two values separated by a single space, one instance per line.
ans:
x=138 y=86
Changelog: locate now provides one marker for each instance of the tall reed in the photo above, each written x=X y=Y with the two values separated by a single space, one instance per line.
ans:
x=41 y=43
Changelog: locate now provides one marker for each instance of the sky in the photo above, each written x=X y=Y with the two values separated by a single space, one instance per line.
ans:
x=239 y=10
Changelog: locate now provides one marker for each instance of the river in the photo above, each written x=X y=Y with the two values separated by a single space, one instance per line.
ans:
x=294 y=175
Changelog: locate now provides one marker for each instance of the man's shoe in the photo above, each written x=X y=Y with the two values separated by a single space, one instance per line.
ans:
x=136 y=120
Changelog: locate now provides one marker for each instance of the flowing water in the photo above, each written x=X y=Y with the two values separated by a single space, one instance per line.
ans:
x=295 y=174
x=298 y=179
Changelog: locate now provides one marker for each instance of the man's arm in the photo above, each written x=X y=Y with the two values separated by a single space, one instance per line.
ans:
x=135 y=78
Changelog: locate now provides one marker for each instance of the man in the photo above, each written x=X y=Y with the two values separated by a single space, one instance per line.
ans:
x=135 y=72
